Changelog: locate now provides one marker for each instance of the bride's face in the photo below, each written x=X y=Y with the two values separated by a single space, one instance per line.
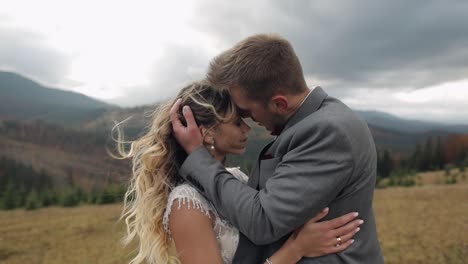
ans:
x=231 y=137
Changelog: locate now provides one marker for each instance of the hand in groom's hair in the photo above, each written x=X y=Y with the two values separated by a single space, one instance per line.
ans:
x=189 y=137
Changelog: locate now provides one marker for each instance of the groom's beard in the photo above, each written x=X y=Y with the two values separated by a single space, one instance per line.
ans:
x=277 y=131
x=278 y=126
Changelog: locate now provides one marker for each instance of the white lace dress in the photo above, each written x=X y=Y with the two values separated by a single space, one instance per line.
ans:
x=226 y=235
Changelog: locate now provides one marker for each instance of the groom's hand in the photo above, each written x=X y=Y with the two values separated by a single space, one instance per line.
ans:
x=189 y=137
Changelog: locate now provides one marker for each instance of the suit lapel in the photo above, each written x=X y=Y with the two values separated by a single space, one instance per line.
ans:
x=255 y=172
x=311 y=104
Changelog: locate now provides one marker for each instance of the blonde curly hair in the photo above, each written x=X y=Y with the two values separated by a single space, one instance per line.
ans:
x=156 y=158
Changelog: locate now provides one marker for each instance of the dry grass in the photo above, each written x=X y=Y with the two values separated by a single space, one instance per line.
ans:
x=425 y=224
x=440 y=177
x=87 y=234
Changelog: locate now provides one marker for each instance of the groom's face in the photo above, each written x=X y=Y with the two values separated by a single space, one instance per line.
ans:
x=257 y=111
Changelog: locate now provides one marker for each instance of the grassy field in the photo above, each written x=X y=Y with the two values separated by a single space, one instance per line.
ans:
x=423 y=224
x=86 y=234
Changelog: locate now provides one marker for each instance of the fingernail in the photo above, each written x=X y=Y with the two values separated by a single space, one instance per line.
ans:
x=326 y=209
x=357 y=229
x=185 y=108
x=355 y=214
x=361 y=222
x=352 y=241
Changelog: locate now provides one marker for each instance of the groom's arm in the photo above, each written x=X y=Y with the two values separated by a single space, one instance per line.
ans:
x=309 y=176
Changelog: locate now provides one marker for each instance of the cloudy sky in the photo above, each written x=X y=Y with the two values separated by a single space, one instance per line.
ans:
x=408 y=58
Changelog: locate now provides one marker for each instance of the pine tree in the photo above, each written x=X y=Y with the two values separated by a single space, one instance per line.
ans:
x=386 y=164
x=439 y=158
x=416 y=158
x=460 y=160
x=21 y=194
x=32 y=201
x=93 y=197
x=48 y=197
x=427 y=160
x=10 y=198
x=70 y=198
x=107 y=195
x=44 y=181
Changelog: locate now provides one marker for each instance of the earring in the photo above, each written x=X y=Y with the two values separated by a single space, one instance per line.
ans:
x=212 y=147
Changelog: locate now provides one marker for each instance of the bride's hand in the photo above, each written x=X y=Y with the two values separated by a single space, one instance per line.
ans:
x=322 y=238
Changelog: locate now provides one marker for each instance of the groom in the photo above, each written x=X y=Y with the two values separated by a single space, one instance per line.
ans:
x=323 y=155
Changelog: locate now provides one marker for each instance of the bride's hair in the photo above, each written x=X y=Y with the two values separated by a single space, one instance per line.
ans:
x=156 y=158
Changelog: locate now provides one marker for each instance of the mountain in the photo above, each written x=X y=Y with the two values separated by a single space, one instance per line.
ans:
x=403 y=143
x=64 y=154
x=391 y=122
x=66 y=133
x=24 y=99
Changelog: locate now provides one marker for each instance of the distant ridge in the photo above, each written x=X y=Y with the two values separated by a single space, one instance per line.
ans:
x=391 y=122
x=22 y=98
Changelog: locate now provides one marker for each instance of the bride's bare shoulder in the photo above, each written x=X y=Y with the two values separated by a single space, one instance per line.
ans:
x=191 y=228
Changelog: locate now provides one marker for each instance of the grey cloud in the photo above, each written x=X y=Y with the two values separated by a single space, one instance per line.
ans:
x=226 y=21
x=28 y=54
x=351 y=44
x=179 y=65
x=349 y=47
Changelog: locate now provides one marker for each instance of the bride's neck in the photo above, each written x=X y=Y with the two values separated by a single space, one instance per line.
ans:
x=216 y=155
x=220 y=158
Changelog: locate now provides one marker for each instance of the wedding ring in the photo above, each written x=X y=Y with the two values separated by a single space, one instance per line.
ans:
x=338 y=241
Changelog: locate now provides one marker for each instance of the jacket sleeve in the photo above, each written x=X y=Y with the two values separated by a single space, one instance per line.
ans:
x=307 y=178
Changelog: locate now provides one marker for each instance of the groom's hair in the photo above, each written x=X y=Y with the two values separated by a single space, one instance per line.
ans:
x=261 y=65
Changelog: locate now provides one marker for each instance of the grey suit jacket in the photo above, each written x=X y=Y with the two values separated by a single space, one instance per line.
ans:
x=325 y=156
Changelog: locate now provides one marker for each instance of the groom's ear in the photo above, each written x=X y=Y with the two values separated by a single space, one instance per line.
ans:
x=279 y=103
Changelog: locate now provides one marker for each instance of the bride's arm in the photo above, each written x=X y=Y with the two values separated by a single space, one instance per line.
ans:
x=316 y=239
x=193 y=234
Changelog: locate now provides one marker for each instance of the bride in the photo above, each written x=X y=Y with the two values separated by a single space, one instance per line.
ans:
x=161 y=211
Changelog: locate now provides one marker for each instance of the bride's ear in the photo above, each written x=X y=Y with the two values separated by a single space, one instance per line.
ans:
x=208 y=138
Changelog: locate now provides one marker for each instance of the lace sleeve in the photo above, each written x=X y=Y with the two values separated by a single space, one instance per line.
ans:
x=236 y=172
x=186 y=194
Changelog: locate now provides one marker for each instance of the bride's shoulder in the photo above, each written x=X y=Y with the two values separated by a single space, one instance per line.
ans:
x=184 y=190
x=185 y=193
x=187 y=197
